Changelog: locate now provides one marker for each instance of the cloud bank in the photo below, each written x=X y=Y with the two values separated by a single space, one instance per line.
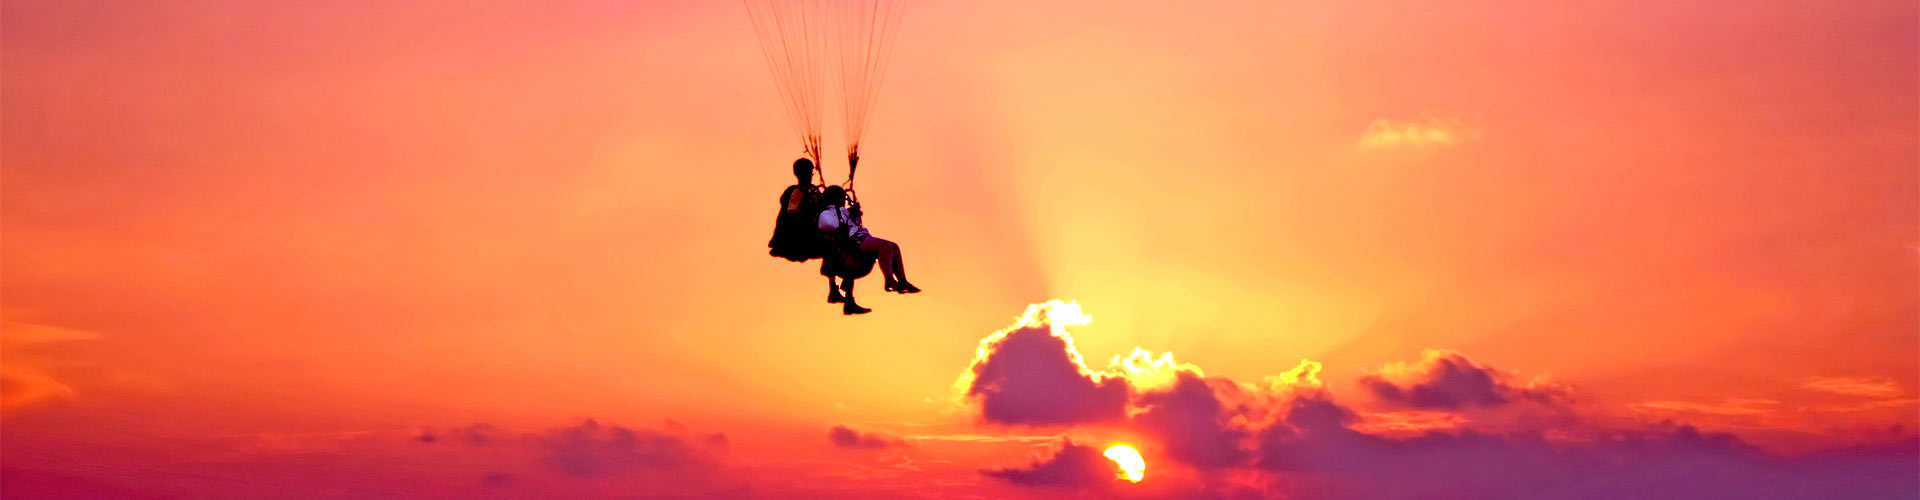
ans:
x=1447 y=380
x=1445 y=426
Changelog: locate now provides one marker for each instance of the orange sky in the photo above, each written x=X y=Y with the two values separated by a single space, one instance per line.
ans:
x=240 y=220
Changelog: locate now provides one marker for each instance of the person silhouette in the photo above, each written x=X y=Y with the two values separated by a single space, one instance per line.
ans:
x=842 y=226
x=794 y=237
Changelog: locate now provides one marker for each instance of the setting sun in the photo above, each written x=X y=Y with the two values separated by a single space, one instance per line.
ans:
x=1131 y=466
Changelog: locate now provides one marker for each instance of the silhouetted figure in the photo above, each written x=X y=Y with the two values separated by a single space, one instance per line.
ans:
x=854 y=251
x=794 y=235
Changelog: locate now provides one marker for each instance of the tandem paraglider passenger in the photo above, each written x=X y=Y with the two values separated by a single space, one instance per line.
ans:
x=794 y=235
x=853 y=251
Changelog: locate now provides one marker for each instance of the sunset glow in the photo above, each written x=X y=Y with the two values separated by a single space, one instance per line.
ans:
x=1132 y=468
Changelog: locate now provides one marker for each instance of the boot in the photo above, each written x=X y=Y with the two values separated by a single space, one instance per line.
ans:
x=849 y=308
x=833 y=296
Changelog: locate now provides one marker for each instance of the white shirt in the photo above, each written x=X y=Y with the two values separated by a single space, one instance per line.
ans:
x=834 y=218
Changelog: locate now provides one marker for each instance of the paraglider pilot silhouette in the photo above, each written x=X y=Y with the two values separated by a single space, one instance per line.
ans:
x=794 y=236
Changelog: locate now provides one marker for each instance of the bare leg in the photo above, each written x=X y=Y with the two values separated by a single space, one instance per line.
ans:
x=889 y=257
x=899 y=265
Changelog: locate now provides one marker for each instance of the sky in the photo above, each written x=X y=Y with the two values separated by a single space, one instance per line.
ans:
x=425 y=249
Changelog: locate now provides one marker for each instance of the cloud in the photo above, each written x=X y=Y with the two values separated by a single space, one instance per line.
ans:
x=17 y=332
x=473 y=435
x=1448 y=432
x=1662 y=461
x=1447 y=380
x=1030 y=374
x=22 y=387
x=1071 y=466
x=24 y=381
x=1409 y=422
x=1855 y=386
x=1306 y=375
x=592 y=449
x=1322 y=450
x=1867 y=406
x=1728 y=407
x=1190 y=422
x=589 y=459
x=1428 y=132
x=846 y=437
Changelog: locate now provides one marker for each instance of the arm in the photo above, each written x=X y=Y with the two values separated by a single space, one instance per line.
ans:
x=829 y=220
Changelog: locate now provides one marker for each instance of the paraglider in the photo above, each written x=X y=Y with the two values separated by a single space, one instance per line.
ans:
x=799 y=39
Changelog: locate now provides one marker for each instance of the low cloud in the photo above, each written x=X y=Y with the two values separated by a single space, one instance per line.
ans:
x=1428 y=132
x=1319 y=447
x=24 y=378
x=1855 y=386
x=472 y=435
x=592 y=449
x=1071 y=466
x=1445 y=426
x=1447 y=380
x=588 y=459
x=1726 y=407
x=1030 y=374
x=1191 y=422
x=23 y=387
x=846 y=437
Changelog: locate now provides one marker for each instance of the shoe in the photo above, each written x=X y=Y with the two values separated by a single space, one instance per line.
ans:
x=849 y=308
x=833 y=297
x=903 y=287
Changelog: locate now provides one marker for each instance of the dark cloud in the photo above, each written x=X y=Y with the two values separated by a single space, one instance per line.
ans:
x=1314 y=444
x=587 y=460
x=1029 y=375
x=593 y=449
x=475 y=435
x=1316 y=448
x=1191 y=423
x=1446 y=380
x=1072 y=466
x=846 y=437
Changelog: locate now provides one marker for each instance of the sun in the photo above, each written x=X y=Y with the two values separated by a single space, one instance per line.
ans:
x=1131 y=466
